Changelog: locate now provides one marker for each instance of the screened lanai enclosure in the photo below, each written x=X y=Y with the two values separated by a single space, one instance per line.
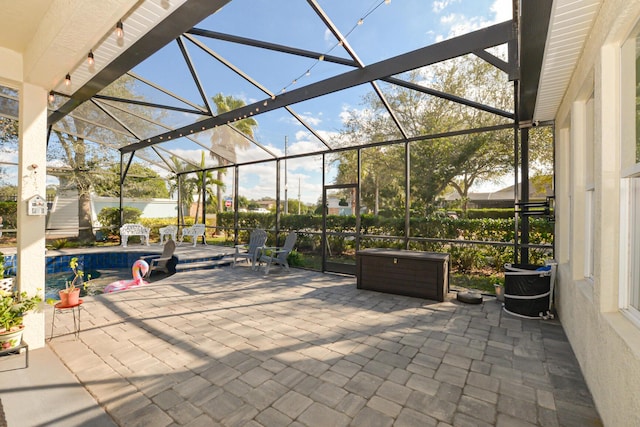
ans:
x=319 y=117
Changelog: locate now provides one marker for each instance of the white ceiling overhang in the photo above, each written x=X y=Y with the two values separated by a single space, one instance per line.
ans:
x=569 y=27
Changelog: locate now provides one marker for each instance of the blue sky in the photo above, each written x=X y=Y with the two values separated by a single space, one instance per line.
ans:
x=387 y=30
x=391 y=29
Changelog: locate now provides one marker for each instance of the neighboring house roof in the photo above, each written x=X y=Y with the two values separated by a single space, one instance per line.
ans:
x=505 y=193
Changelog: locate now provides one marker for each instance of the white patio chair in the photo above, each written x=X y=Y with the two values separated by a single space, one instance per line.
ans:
x=169 y=231
x=195 y=231
x=250 y=251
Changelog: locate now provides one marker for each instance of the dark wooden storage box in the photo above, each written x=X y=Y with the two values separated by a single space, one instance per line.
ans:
x=411 y=273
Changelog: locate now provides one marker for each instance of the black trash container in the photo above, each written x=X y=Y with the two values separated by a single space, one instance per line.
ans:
x=528 y=290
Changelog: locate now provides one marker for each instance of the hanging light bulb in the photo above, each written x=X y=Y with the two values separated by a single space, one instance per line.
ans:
x=67 y=80
x=90 y=60
x=321 y=58
x=360 y=21
x=387 y=1
x=51 y=97
x=308 y=73
x=119 y=30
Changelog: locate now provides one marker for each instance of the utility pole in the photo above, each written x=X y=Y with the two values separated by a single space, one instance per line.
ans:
x=286 y=202
x=299 y=203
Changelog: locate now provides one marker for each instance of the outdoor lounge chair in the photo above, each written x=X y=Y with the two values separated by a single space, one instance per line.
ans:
x=250 y=251
x=273 y=255
x=165 y=262
x=170 y=231
x=195 y=231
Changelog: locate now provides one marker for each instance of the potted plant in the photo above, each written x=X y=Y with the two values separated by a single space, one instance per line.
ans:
x=13 y=306
x=71 y=294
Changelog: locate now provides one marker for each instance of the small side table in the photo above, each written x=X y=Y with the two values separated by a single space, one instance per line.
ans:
x=75 y=310
x=18 y=349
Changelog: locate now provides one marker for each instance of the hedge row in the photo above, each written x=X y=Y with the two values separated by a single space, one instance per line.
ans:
x=438 y=227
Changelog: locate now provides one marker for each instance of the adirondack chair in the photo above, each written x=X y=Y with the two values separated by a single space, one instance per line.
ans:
x=275 y=255
x=195 y=231
x=165 y=262
x=257 y=239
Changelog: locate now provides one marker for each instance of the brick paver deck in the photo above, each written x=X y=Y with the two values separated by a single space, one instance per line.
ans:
x=233 y=347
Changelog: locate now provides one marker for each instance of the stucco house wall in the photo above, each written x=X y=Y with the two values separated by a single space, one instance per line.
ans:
x=605 y=341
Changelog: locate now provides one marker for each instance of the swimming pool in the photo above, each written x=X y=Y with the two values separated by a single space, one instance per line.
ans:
x=104 y=267
x=98 y=280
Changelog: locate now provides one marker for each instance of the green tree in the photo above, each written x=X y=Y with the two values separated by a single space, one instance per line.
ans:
x=435 y=163
x=8 y=130
x=141 y=182
x=209 y=182
x=86 y=160
x=226 y=140
x=181 y=185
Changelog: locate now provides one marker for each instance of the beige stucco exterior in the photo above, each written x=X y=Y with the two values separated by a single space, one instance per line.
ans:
x=40 y=42
x=605 y=341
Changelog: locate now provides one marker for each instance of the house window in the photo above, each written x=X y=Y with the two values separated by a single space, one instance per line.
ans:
x=589 y=201
x=634 y=264
x=630 y=175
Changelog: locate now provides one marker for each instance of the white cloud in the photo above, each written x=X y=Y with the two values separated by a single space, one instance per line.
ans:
x=502 y=10
x=328 y=36
x=194 y=156
x=305 y=146
x=459 y=24
x=440 y=5
x=310 y=119
x=448 y=19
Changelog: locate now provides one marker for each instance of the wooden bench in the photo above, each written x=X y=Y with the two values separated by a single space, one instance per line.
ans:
x=128 y=230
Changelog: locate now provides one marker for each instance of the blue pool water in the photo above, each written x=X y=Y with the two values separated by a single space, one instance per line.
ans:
x=98 y=280
x=104 y=267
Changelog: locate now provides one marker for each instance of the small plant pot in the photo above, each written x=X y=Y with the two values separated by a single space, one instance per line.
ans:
x=9 y=340
x=69 y=298
x=499 y=292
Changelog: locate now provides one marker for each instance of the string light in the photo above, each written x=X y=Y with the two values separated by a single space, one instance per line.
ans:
x=51 y=97
x=67 y=80
x=119 y=30
x=340 y=42
x=90 y=60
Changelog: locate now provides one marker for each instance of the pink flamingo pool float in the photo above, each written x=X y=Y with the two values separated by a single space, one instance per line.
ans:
x=138 y=270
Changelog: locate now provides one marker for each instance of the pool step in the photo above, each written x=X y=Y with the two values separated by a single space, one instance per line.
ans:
x=204 y=265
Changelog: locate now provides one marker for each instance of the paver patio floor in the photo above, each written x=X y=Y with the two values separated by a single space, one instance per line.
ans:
x=233 y=347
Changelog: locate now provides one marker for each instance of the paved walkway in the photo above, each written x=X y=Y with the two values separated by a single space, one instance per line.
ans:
x=233 y=347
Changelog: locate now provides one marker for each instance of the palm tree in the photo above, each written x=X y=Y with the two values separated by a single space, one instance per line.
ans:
x=196 y=182
x=184 y=189
x=227 y=139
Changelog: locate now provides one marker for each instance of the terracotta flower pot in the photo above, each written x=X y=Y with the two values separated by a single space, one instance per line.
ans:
x=69 y=298
x=11 y=339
